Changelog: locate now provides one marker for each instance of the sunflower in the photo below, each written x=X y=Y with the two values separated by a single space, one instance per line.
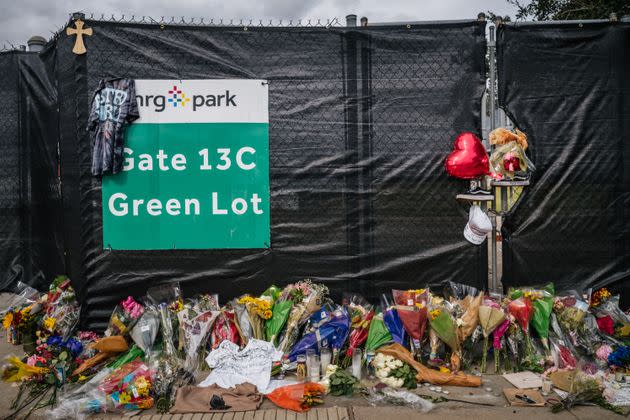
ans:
x=7 y=320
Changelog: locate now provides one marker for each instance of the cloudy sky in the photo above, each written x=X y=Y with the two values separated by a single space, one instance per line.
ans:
x=23 y=18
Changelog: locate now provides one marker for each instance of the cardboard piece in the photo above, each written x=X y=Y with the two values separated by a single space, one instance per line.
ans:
x=524 y=380
x=563 y=379
x=533 y=394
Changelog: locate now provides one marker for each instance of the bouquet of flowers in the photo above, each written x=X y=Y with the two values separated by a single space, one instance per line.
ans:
x=378 y=334
x=522 y=309
x=297 y=397
x=394 y=373
x=291 y=295
x=44 y=372
x=195 y=321
x=224 y=329
x=412 y=310
x=498 y=341
x=361 y=314
x=19 y=323
x=124 y=317
x=490 y=317
x=392 y=320
x=128 y=388
x=258 y=311
x=445 y=327
x=332 y=333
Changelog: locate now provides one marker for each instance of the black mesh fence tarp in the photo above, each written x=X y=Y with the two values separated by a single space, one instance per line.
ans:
x=31 y=249
x=567 y=85
x=360 y=123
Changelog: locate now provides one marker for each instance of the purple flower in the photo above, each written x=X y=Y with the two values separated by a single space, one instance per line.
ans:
x=54 y=340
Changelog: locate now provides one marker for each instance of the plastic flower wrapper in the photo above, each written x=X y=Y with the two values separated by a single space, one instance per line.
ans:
x=361 y=314
x=570 y=311
x=291 y=295
x=459 y=291
x=509 y=158
x=273 y=292
x=610 y=307
x=298 y=397
x=426 y=374
x=332 y=333
x=258 y=312
x=562 y=356
x=392 y=320
x=224 y=328
x=124 y=317
x=300 y=314
x=242 y=319
x=128 y=388
x=521 y=309
x=195 y=322
x=497 y=341
x=445 y=327
x=319 y=318
x=490 y=317
x=146 y=329
x=541 y=319
x=378 y=334
x=413 y=312
x=389 y=396
x=469 y=319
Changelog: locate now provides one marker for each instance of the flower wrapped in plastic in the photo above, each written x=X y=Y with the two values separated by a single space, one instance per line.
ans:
x=224 y=328
x=195 y=321
x=298 y=397
x=445 y=327
x=497 y=343
x=293 y=294
x=509 y=158
x=128 y=388
x=378 y=334
x=361 y=314
x=301 y=313
x=258 y=312
x=412 y=307
x=392 y=320
x=491 y=315
x=332 y=333
x=124 y=317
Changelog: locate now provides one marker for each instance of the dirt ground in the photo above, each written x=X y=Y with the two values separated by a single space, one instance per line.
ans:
x=486 y=402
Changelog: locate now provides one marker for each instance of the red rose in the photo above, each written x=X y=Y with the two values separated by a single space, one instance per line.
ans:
x=606 y=325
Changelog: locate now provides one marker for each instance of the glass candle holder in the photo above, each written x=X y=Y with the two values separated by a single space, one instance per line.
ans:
x=300 y=370
x=326 y=358
x=312 y=366
x=357 y=362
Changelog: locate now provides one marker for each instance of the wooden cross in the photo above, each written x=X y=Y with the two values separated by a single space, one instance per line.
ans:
x=79 y=46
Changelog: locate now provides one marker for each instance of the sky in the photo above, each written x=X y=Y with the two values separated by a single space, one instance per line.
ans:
x=22 y=19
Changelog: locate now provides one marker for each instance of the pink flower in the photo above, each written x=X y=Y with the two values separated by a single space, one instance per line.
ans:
x=603 y=352
x=133 y=308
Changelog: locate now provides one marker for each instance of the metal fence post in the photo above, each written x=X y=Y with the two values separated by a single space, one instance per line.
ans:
x=492 y=44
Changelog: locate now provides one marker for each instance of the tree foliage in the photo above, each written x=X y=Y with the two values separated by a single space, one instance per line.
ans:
x=570 y=9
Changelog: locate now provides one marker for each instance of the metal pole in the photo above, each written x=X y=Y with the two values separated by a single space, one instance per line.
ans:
x=493 y=79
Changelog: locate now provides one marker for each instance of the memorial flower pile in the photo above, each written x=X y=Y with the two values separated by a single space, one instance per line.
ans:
x=155 y=345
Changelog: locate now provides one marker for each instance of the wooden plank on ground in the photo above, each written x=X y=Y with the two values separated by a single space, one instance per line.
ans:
x=332 y=413
x=342 y=412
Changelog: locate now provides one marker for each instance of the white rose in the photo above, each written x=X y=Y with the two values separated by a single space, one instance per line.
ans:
x=399 y=383
x=398 y=363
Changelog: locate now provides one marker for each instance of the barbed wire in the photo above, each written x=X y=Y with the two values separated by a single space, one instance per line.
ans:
x=214 y=22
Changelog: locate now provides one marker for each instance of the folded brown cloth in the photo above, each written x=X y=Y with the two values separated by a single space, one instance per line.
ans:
x=193 y=399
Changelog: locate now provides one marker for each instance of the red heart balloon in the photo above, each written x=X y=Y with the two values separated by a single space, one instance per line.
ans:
x=469 y=159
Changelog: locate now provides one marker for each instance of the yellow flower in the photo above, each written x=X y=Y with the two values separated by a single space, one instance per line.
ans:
x=444 y=369
x=267 y=314
x=124 y=398
x=142 y=385
x=7 y=321
x=49 y=324
x=82 y=378
x=435 y=313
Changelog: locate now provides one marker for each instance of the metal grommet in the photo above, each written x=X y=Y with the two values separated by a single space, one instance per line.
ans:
x=408 y=26
x=162 y=26
x=581 y=25
x=245 y=28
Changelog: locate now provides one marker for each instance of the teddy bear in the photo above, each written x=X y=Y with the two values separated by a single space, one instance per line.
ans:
x=501 y=136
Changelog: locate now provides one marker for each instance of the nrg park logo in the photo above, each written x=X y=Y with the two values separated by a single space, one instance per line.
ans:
x=176 y=98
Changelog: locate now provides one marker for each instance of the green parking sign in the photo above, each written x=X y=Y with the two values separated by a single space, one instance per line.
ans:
x=196 y=173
